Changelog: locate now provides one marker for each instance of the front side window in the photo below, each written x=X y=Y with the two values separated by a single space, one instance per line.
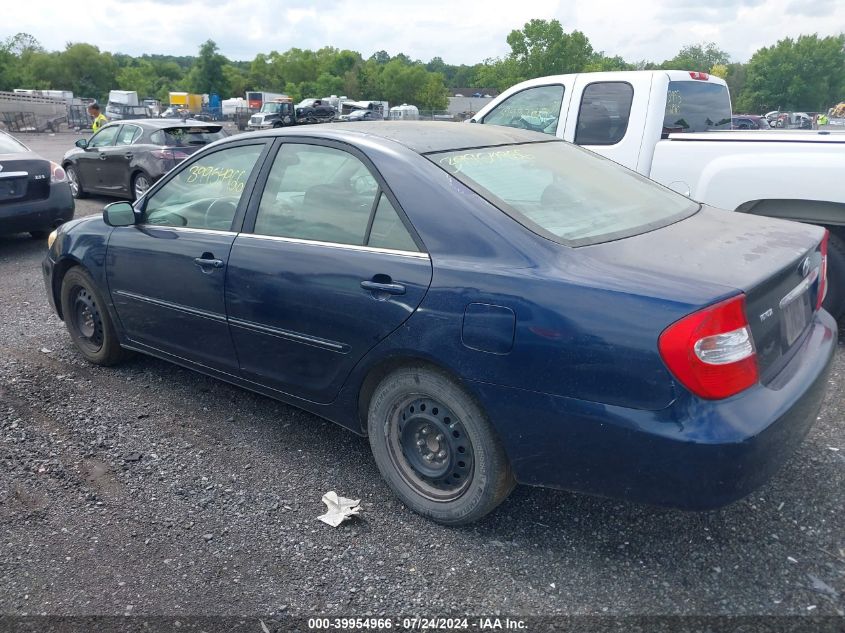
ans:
x=325 y=194
x=536 y=109
x=104 y=137
x=604 y=112
x=696 y=106
x=565 y=193
x=206 y=193
x=128 y=135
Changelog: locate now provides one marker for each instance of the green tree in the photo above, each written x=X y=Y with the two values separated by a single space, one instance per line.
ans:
x=541 y=48
x=433 y=94
x=807 y=73
x=701 y=57
x=206 y=75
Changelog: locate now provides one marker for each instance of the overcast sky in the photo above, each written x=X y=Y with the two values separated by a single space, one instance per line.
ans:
x=458 y=31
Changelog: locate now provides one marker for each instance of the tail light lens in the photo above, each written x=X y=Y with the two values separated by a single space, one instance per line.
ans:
x=169 y=154
x=711 y=351
x=57 y=174
x=821 y=292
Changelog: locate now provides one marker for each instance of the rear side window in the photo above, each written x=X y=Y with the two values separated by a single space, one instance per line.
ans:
x=696 y=106
x=536 y=109
x=128 y=135
x=604 y=113
x=188 y=136
x=564 y=193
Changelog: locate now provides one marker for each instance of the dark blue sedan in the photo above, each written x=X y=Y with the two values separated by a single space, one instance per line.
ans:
x=489 y=305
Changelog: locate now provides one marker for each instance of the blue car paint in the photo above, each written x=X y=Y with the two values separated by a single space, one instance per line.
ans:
x=582 y=400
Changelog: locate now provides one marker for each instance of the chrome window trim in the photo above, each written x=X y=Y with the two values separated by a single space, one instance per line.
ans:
x=187 y=229
x=350 y=247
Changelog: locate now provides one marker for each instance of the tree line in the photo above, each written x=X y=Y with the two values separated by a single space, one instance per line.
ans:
x=803 y=73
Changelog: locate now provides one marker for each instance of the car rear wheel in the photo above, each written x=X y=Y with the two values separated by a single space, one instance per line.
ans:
x=435 y=448
x=74 y=182
x=87 y=319
x=140 y=184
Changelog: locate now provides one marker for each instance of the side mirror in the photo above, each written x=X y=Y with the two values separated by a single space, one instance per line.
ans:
x=81 y=143
x=119 y=214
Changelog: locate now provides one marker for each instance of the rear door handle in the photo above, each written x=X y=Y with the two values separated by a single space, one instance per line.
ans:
x=208 y=262
x=389 y=288
x=127 y=155
x=102 y=156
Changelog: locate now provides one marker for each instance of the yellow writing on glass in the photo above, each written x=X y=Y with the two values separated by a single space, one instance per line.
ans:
x=232 y=179
x=485 y=158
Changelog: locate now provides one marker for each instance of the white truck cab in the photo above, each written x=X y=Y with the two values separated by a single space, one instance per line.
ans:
x=674 y=127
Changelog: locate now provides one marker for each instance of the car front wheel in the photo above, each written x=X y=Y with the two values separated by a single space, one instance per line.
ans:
x=435 y=448
x=87 y=319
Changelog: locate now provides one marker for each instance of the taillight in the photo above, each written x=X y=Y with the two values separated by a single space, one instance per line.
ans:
x=711 y=351
x=699 y=76
x=169 y=154
x=57 y=174
x=821 y=292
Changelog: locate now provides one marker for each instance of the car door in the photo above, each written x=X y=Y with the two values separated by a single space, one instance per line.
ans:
x=116 y=176
x=326 y=267
x=166 y=273
x=91 y=160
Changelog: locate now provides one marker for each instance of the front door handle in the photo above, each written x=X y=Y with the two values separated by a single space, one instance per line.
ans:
x=389 y=287
x=102 y=156
x=207 y=261
x=127 y=156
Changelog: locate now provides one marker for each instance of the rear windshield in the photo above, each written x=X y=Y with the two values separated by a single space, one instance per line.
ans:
x=9 y=145
x=697 y=106
x=187 y=136
x=564 y=193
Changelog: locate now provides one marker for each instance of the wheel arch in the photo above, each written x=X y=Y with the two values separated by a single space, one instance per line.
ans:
x=60 y=269
x=385 y=366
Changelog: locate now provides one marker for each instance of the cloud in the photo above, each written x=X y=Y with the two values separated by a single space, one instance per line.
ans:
x=459 y=32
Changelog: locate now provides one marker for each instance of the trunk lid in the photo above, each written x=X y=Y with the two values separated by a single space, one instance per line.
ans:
x=774 y=262
x=24 y=177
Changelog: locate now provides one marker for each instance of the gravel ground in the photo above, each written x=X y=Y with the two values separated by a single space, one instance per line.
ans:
x=149 y=489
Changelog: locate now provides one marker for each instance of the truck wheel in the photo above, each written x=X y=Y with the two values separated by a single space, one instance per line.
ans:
x=834 y=302
x=435 y=447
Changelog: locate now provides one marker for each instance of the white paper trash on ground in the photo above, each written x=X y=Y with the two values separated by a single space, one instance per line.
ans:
x=339 y=508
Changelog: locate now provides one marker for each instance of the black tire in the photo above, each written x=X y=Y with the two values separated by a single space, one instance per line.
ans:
x=472 y=475
x=87 y=319
x=834 y=302
x=74 y=182
x=38 y=235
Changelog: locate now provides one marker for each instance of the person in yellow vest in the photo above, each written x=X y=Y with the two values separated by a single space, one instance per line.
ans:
x=99 y=118
x=823 y=120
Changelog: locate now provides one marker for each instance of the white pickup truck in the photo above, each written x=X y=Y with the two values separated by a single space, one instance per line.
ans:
x=675 y=127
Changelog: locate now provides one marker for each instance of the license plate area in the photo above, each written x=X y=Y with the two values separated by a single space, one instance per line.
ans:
x=795 y=314
x=12 y=188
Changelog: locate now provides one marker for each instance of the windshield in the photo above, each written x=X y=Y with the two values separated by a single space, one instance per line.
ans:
x=697 y=106
x=274 y=108
x=9 y=145
x=564 y=193
x=187 y=136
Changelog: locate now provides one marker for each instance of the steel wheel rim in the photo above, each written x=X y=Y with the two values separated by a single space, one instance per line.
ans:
x=430 y=448
x=72 y=181
x=87 y=319
x=141 y=186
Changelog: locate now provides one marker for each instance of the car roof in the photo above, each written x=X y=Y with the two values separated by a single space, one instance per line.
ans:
x=157 y=124
x=422 y=137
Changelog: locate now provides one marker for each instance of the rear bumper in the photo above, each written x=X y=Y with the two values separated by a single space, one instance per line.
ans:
x=38 y=215
x=693 y=455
